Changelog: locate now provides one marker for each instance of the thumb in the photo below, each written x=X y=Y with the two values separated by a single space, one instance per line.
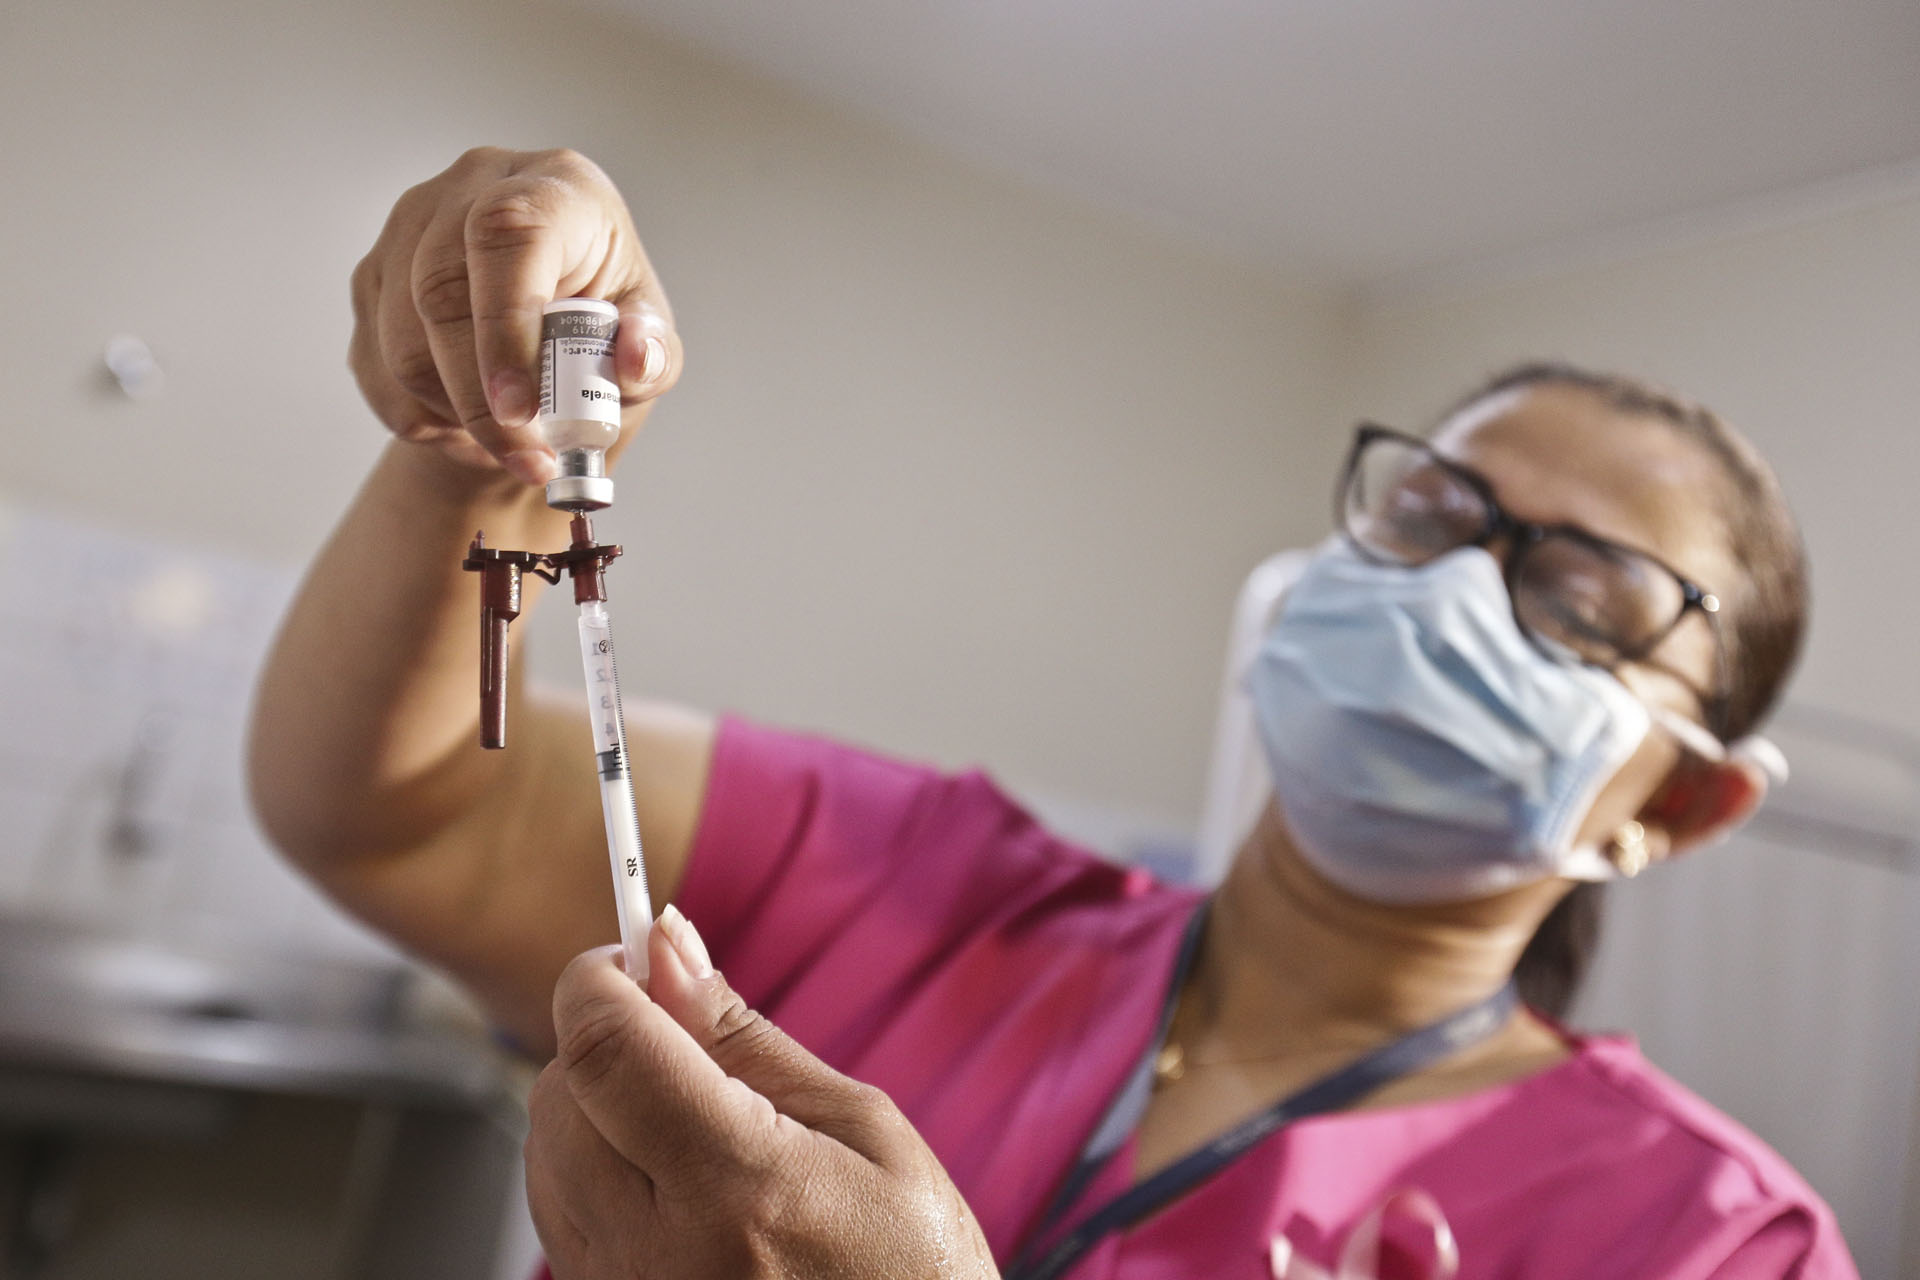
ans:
x=750 y=1049
x=649 y=1090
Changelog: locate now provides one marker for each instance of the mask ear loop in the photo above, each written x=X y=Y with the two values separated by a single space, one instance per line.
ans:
x=1716 y=706
x=1629 y=854
x=1753 y=749
x=1762 y=753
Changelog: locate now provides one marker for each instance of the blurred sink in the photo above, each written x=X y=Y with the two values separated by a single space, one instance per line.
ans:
x=74 y=999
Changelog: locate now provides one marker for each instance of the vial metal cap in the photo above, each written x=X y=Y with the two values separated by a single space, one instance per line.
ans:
x=580 y=493
x=583 y=484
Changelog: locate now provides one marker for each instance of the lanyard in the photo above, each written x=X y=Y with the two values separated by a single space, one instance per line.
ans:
x=1389 y=1062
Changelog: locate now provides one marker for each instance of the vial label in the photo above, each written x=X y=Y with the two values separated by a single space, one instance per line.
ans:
x=576 y=367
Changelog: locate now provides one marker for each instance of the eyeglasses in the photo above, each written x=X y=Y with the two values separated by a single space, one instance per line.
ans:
x=1576 y=596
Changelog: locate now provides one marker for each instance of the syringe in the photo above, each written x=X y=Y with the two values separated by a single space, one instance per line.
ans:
x=616 y=785
x=580 y=418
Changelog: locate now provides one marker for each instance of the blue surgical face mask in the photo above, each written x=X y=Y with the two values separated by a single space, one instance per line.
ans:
x=1422 y=749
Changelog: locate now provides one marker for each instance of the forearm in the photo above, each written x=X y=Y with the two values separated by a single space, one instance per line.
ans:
x=364 y=760
x=366 y=717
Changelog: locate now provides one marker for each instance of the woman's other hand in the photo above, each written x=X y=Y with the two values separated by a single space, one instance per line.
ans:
x=680 y=1135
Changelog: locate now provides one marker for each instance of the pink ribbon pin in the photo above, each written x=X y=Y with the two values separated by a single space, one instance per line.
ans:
x=1404 y=1237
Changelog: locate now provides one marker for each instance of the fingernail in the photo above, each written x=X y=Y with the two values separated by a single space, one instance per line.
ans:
x=510 y=395
x=535 y=466
x=656 y=361
x=686 y=941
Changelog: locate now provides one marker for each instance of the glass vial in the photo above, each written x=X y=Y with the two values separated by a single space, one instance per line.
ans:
x=579 y=399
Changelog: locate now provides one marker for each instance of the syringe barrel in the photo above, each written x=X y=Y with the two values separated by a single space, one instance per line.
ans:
x=616 y=786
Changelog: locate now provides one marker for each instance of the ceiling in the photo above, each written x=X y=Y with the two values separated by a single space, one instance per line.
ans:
x=1359 y=143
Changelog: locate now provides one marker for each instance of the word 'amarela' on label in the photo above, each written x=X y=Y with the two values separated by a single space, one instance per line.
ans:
x=576 y=366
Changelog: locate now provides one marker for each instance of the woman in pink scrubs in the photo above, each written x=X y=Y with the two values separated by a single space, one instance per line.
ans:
x=1532 y=657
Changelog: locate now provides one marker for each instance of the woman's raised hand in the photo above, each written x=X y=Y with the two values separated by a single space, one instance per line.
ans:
x=447 y=303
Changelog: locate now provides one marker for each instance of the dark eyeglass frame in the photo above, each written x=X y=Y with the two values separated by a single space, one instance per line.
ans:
x=1525 y=535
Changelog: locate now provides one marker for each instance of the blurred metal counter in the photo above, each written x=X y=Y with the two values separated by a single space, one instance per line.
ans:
x=402 y=1118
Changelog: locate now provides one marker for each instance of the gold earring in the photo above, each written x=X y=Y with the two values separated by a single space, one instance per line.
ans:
x=1628 y=850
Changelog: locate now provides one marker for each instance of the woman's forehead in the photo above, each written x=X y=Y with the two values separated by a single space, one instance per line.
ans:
x=1561 y=455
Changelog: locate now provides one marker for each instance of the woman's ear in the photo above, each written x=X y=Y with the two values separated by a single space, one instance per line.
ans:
x=1702 y=802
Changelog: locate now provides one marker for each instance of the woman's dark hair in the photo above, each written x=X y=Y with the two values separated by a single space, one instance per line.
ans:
x=1761 y=622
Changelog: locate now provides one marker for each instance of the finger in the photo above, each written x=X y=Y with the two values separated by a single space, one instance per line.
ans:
x=647 y=363
x=601 y=1191
x=649 y=1090
x=555 y=228
x=561 y=1236
x=379 y=296
x=647 y=355
x=442 y=295
x=402 y=414
x=439 y=290
x=515 y=242
x=438 y=280
x=401 y=347
x=753 y=1050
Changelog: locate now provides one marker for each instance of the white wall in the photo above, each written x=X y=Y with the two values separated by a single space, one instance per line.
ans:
x=956 y=468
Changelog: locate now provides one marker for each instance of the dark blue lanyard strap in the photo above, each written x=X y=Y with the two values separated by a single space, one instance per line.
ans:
x=1330 y=1093
x=1130 y=1102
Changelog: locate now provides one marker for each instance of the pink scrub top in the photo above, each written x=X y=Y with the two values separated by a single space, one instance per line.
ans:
x=921 y=932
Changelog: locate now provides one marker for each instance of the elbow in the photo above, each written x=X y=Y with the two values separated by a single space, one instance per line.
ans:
x=272 y=795
x=286 y=790
x=326 y=806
